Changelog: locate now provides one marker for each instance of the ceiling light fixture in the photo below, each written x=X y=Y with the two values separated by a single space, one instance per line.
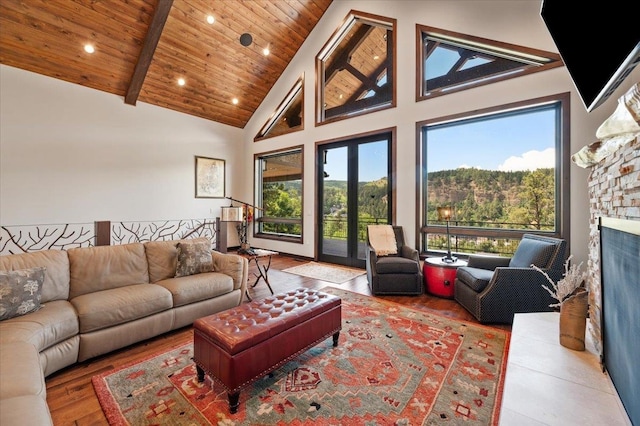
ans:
x=266 y=51
x=89 y=48
x=246 y=39
x=211 y=19
x=234 y=101
x=181 y=82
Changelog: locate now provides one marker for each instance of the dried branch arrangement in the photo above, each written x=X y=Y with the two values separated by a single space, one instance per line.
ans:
x=574 y=278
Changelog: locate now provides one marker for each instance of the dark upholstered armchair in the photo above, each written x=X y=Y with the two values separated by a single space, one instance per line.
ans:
x=494 y=288
x=394 y=273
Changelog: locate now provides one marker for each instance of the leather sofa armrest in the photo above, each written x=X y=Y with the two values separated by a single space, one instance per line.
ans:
x=487 y=262
x=237 y=267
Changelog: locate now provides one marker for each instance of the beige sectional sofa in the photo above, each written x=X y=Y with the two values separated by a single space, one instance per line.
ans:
x=98 y=299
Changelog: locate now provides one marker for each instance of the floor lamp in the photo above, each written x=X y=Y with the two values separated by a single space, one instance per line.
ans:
x=444 y=213
x=239 y=214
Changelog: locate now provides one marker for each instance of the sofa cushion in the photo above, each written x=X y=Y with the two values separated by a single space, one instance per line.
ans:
x=20 y=291
x=476 y=278
x=56 y=322
x=194 y=257
x=21 y=371
x=532 y=252
x=103 y=309
x=56 y=277
x=105 y=267
x=162 y=257
x=195 y=288
x=396 y=265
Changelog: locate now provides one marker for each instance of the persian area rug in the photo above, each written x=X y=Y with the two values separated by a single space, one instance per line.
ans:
x=393 y=366
x=325 y=272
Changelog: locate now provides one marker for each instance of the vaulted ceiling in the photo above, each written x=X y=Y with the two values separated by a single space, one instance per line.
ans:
x=144 y=47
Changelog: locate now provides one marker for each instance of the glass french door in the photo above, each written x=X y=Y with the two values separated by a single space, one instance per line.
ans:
x=354 y=191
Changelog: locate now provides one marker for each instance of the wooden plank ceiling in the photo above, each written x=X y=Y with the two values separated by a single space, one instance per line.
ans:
x=142 y=48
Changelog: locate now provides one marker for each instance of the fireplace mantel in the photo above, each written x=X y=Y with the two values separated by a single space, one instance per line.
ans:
x=547 y=383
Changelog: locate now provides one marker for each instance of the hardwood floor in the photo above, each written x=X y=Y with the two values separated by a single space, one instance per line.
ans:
x=70 y=394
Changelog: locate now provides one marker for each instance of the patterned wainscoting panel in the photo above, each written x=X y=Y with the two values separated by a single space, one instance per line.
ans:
x=30 y=238
x=130 y=232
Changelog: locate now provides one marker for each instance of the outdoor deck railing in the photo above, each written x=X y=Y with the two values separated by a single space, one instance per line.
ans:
x=335 y=228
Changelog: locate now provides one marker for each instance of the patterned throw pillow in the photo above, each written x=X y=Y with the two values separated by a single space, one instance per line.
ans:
x=20 y=291
x=194 y=257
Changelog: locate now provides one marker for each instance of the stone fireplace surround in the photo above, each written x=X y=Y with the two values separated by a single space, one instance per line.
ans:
x=614 y=191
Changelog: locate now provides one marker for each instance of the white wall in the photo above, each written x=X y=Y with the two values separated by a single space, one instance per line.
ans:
x=70 y=154
x=516 y=22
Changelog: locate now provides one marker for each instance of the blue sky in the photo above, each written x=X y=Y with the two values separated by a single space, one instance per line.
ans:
x=518 y=142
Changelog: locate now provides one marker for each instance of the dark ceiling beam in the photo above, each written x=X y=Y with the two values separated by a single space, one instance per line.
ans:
x=148 y=49
x=367 y=83
x=382 y=96
x=496 y=67
x=344 y=56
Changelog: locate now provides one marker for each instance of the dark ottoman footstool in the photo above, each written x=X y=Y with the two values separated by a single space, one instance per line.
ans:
x=240 y=345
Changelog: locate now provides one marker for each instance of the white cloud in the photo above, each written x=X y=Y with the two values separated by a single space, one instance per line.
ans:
x=530 y=160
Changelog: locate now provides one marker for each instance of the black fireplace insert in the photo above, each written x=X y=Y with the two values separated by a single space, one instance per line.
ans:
x=620 y=281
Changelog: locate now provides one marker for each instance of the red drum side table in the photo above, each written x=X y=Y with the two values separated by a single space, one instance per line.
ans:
x=439 y=276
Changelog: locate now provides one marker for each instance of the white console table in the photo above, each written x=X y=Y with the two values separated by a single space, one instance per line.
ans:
x=548 y=384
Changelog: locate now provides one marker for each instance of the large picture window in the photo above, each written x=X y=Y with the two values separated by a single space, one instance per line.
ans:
x=503 y=172
x=356 y=68
x=279 y=193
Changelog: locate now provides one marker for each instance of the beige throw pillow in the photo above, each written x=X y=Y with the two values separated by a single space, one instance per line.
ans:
x=20 y=291
x=194 y=257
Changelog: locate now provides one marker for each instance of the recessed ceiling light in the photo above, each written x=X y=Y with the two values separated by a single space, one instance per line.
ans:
x=266 y=51
x=89 y=48
x=234 y=101
x=181 y=82
x=211 y=19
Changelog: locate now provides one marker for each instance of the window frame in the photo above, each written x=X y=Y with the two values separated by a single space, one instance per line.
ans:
x=281 y=110
x=562 y=174
x=259 y=214
x=533 y=60
x=330 y=47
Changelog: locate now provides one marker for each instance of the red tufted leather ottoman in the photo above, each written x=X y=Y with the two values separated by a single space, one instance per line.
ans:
x=242 y=344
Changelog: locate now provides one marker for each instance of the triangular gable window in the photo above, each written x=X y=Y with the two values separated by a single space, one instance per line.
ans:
x=450 y=62
x=288 y=117
x=355 y=69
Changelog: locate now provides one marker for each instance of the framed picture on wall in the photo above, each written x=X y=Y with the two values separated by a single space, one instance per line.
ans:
x=209 y=177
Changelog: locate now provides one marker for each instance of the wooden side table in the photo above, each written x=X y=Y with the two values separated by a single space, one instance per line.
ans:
x=439 y=276
x=255 y=255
